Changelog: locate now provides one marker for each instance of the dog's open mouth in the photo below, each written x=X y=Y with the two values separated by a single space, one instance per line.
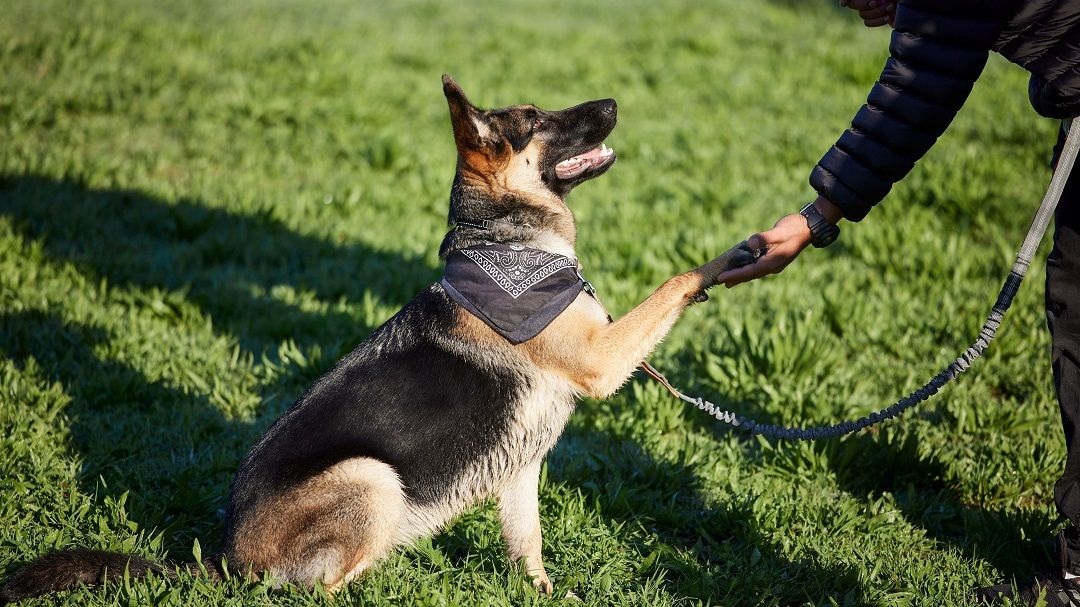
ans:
x=595 y=158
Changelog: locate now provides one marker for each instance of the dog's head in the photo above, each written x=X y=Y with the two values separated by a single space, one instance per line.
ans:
x=524 y=160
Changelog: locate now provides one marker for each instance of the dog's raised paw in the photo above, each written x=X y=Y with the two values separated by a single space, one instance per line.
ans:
x=757 y=245
x=742 y=254
x=746 y=252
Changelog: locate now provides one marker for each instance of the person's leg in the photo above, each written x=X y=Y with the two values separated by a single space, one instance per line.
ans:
x=1063 y=320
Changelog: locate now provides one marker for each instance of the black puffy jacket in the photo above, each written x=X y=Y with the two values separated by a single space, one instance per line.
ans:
x=939 y=48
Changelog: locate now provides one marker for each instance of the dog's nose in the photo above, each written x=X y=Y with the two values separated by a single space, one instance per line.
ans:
x=608 y=106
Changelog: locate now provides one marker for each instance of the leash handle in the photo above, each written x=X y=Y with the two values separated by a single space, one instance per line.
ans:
x=1050 y=200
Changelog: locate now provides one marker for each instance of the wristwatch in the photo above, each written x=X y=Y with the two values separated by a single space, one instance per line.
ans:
x=822 y=233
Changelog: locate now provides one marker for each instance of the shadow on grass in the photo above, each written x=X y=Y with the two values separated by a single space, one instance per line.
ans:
x=1016 y=542
x=227 y=263
x=708 y=550
x=167 y=446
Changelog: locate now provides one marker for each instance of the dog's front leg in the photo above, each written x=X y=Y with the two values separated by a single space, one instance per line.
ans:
x=519 y=513
x=600 y=356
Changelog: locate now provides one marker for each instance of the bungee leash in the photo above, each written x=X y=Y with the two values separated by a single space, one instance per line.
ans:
x=962 y=363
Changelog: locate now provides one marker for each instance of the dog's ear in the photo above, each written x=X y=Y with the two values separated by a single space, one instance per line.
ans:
x=471 y=132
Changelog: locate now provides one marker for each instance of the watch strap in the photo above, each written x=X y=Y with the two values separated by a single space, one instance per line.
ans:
x=822 y=233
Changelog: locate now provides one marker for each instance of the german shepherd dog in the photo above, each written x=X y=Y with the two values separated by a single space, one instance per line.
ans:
x=435 y=411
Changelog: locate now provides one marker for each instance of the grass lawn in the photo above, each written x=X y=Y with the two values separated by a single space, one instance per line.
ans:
x=204 y=204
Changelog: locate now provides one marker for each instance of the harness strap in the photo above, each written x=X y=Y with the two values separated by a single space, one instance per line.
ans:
x=485 y=224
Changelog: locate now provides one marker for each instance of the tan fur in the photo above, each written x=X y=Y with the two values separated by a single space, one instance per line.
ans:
x=519 y=513
x=598 y=356
x=519 y=175
x=501 y=171
x=329 y=528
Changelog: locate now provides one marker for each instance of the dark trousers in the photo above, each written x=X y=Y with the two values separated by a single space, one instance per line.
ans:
x=1063 y=320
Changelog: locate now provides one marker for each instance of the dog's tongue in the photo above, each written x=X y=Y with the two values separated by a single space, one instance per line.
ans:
x=572 y=167
x=593 y=153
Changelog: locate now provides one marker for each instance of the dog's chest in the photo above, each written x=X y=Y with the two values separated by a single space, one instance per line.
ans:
x=538 y=421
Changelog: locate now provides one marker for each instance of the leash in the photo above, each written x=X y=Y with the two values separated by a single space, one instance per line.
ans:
x=986 y=334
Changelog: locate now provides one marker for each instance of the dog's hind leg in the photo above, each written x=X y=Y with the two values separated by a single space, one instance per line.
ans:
x=377 y=508
x=519 y=513
x=329 y=529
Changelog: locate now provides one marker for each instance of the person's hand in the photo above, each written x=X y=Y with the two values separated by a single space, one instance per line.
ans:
x=787 y=238
x=874 y=13
x=785 y=241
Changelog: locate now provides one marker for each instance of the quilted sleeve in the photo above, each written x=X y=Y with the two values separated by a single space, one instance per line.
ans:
x=935 y=60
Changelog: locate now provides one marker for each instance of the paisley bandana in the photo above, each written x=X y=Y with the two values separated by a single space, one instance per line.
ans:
x=515 y=290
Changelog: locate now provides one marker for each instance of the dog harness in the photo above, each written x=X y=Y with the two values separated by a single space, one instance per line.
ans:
x=516 y=290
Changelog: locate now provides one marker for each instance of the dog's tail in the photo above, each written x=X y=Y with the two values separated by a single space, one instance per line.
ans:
x=66 y=569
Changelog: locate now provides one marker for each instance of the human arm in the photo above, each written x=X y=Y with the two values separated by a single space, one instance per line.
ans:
x=937 y=54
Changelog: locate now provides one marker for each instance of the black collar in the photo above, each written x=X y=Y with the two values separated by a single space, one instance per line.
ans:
x=487 y=224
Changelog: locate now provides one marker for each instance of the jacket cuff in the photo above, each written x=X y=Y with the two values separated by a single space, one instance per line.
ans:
x=851 y=205
x=1049 y=103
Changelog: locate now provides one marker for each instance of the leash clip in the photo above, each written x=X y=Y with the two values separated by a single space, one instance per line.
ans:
x=585 y=285
x=485 y=224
